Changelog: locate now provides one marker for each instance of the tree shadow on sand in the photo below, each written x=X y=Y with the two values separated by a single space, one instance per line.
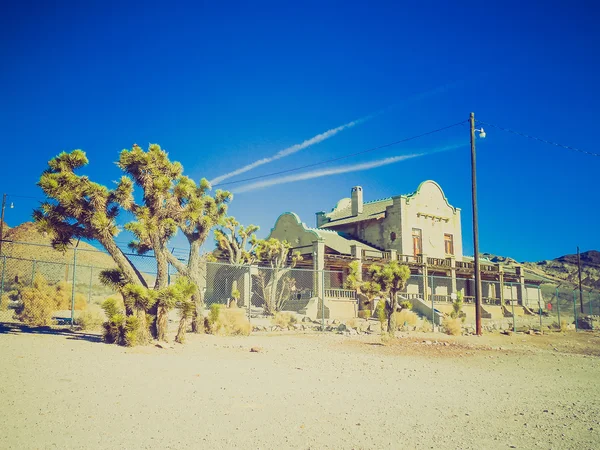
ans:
x=19 y=328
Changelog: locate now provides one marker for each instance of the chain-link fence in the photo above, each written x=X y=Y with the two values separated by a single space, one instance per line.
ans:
x=72 y=281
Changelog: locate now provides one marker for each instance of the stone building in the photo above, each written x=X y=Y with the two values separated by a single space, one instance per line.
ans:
x=422 y=230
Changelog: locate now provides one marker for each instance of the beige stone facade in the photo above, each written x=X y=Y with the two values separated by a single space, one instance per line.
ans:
x=422 y=230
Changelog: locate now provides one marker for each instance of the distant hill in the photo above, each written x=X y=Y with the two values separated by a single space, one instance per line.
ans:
x=26 y=242
x=565 y=268
x=562 y=269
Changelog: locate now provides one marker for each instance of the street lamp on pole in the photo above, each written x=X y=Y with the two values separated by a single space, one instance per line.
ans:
x=475 y=224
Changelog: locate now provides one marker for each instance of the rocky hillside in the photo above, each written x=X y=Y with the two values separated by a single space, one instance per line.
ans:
x=562 y=269
x=565 y=268
x=26 y=242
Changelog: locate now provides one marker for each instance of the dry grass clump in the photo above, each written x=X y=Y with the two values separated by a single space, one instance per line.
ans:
x=228 y=321
x=283 y=319
x=426 y=326
x=39 y=301
x=563 y=325
x=91 y=318
x=63 y=297
x=405 y=318
x=452 y=326
x=365 y=314
x=352 y=323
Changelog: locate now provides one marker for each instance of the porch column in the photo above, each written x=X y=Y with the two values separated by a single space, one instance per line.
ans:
x=521 y=275
x=356 y=252
x=318 y=268
x=453 y=275
x=501 y=281
x=247 y=283
x=425 y=284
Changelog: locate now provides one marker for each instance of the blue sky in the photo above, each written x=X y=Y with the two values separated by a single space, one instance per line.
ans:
x=222 y=84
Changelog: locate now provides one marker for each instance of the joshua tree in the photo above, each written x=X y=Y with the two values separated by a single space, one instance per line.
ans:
x=78 y=208
x=274 y=282
x=196 y=214
x=364 y=289
x=236 y=242
x=392 y=278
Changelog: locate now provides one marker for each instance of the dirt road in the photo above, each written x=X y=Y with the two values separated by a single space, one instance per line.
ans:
x=302 y=391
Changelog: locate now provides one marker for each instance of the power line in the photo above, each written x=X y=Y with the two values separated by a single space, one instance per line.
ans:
x=568 y=147
x=344 y=156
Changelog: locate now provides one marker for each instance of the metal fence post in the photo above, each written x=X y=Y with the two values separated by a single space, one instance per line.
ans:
x=590 y=302
x=2 y=282
x=32 y=272
x=322 y=294
x=540 y=307
x=575 y=308
x=558 y=306
x=432 y=305
x=73 y=288
x=512 y=304
x=90 y=291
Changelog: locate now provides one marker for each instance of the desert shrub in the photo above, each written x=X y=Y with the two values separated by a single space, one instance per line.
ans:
x=452 y=326
x=131 y=331
x=112 y=329
x=214 y=313
x=405 y=304
x=37 y=303
x=405 y=317
x=228 y=322
x=364 y=314
x=91 y=318
x=283 y=319
x=426 y=326
x=457 y=312
x=63 y=297
x=563 y=325
x=119 y=329
x=352 y=323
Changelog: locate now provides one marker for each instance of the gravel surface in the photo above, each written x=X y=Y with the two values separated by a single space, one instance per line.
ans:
x=301 y=391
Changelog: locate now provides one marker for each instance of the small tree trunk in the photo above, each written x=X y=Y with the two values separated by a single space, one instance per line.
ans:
x=180 y=338
x=161 y=323
x=197 y=315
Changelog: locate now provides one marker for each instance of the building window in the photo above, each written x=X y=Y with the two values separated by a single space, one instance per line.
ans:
x=417 y=236
x=392 y=236
x=449 y=244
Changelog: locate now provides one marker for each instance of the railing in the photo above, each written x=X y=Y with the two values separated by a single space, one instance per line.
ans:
x=464 y=265
x=373 y=254
x=468 y=299
x=410 y=259
x=346 y=294
x=439 y=262
x=488 y=268
x=491 y=301
x=439 y=298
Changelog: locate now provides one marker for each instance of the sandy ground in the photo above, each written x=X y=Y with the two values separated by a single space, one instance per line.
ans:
x=301 y=391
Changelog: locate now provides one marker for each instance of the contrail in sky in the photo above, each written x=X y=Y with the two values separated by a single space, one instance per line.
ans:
x=291 y=150
x=340 y=169
x=329 y=133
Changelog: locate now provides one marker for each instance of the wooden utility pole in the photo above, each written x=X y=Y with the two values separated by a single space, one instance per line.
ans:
x=580 y=287
x=2 y=222
x=475 y=229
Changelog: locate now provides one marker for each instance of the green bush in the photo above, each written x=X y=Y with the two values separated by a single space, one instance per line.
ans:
x=380 y=313
x=405 y=304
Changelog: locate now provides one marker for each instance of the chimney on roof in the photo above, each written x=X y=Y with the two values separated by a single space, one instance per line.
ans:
x=357 y=200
